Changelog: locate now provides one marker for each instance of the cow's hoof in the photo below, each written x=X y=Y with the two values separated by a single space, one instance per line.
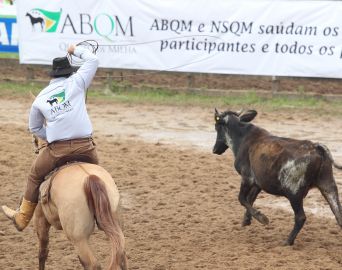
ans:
x=262 y=219
x=287 y=243
x=246 y=222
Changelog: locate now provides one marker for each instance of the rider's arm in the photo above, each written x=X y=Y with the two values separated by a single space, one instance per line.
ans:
x=36 y=123
x=86 y=72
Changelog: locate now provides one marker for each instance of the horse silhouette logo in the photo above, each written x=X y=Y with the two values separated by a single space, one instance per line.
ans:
x=48 y=20
x=56 y=99
x=35 y=20
x=52 y=101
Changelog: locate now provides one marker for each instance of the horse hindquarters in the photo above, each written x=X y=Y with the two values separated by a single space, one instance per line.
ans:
x=99 y=204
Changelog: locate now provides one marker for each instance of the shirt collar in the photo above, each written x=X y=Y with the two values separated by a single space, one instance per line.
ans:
x=54 y=80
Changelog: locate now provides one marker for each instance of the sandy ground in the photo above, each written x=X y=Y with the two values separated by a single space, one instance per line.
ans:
x=179 y=201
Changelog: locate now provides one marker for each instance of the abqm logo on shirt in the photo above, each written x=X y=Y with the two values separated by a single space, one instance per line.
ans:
x=57 y=98
x=58 y=104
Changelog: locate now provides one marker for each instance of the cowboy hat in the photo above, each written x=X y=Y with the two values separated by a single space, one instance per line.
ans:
x=61 y=66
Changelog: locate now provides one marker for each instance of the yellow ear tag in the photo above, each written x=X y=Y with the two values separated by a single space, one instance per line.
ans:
x=217 y=118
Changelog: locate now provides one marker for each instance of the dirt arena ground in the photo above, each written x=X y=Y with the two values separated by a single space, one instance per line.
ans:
x=179 y=201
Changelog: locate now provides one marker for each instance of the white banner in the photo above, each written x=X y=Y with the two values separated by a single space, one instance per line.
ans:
x=282 y=38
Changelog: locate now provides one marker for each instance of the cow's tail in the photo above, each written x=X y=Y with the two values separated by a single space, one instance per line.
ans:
x=99 y=204
x=325 y=150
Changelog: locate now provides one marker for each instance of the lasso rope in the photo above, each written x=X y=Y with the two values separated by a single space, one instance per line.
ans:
x=94 y=45
x=89 y=43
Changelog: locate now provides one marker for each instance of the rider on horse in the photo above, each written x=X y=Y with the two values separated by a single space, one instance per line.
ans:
x=63 y=123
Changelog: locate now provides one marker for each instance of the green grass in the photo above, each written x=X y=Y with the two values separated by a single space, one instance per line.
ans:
x=248 y=99
x=14 y=88
x=245 y=99
x=9 y=56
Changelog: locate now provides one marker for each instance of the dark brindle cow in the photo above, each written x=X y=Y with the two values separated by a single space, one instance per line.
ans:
x=277 y=165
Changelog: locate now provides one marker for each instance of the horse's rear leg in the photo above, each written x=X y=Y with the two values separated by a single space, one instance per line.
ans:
x=42 y=228
x=86 y=256
x=123 y=263
x=252 y=195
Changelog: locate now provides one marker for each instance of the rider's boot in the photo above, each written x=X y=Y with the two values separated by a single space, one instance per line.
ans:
x=22 y=216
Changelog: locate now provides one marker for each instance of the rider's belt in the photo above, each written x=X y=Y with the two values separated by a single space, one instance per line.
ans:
x=89 y=139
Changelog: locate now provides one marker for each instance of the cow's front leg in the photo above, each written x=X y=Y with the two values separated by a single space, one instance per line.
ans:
x=245 y=189
x=252 y=195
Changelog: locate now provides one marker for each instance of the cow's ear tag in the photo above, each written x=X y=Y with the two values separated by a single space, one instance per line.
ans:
x=217 y=118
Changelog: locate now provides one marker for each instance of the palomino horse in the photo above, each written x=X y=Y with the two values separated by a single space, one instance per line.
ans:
x=80 y=195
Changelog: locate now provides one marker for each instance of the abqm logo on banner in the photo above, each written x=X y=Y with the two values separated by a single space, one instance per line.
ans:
x=283 y=38
x=102 y=24
x=8 y=29
x=51 y=29
x=43 y=20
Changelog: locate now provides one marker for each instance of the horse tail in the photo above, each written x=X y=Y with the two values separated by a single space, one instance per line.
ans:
x=99 y=203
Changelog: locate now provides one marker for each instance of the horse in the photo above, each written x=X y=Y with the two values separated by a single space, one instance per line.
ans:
x=35 y=20
x=75 y=197
x=52 y=101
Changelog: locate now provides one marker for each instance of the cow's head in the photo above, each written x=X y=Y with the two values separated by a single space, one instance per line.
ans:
x=224 y=125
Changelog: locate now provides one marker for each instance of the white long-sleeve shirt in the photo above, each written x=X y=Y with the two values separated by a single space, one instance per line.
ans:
x=59 y=111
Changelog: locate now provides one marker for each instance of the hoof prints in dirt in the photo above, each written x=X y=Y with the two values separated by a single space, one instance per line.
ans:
x=179 y=211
